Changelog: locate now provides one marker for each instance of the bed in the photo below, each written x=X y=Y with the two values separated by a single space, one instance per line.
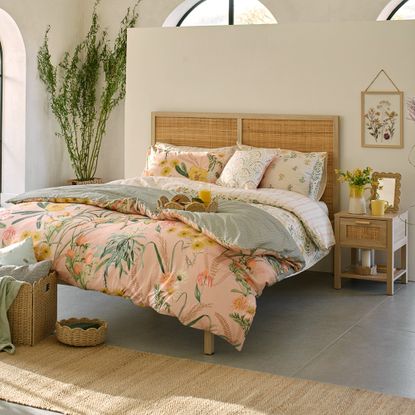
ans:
x=113 y=238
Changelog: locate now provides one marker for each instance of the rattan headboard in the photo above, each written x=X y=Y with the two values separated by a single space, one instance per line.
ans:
x=296 y=132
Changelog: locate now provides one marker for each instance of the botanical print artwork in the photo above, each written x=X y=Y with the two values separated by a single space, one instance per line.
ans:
x=381 y=119
x=411 y=108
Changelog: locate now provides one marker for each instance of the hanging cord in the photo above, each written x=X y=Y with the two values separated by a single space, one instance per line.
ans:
x=377 y=76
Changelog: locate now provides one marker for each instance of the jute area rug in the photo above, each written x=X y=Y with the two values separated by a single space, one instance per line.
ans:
x=111 y=380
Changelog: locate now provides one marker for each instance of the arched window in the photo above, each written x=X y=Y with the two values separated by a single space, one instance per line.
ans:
x=220 y=12
x=398 y=10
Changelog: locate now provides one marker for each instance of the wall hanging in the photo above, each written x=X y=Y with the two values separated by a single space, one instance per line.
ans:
x=382 y=116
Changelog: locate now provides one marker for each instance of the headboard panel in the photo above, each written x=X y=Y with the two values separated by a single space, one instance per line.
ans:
x=201 y=131
x=295 y=132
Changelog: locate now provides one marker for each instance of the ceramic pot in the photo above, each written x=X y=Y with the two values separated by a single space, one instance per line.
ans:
x=80 y=182
x=357 y=202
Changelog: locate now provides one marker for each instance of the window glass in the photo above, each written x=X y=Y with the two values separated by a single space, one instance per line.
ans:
x=252 y=12
x=208 y=13
x=405 y=12
x=227 y=12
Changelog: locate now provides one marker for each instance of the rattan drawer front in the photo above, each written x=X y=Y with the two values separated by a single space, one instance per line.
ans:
x=361 y=233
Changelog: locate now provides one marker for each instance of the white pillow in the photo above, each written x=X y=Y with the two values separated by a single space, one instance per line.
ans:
x=29 y=273
x=20 y=253
x=245 y=168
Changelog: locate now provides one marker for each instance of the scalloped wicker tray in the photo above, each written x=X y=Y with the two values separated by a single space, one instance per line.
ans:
x=81 y=337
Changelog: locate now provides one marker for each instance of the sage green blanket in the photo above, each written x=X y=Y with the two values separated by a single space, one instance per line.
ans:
x=9 y=288
x=236 y=225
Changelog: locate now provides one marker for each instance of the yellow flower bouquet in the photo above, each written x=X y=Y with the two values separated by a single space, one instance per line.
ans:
x=357 y=179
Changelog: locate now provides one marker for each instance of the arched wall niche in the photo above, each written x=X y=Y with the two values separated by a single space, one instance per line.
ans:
x=14 y=107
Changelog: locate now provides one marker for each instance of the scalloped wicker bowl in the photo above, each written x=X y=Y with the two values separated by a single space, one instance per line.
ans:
x=78 y=336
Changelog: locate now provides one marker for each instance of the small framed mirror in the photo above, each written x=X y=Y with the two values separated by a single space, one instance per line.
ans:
x=387 y=186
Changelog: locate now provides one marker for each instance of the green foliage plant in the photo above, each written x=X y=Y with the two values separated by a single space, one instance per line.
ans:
x=85 y=87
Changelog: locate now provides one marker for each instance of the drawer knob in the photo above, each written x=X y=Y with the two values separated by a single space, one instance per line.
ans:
x=362 y=222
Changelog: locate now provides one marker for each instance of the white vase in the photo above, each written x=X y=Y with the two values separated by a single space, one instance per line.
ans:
x=357 y=202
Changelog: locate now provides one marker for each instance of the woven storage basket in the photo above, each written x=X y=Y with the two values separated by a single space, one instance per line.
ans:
x=32 y=316
x=81 y=337
x=79 y=182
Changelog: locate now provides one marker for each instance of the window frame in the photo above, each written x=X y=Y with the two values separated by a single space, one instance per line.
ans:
x=231 y=12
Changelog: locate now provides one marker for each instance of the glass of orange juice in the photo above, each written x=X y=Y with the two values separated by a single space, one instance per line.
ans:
x=206 y=196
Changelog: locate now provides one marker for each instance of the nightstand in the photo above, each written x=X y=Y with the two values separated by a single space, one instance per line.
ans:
x=358 y=233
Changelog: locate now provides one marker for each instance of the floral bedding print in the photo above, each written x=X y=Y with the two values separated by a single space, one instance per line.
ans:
x=175 y=268
x=203 y=166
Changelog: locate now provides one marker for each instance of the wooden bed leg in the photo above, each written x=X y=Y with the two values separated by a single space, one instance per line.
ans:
x=209 y=343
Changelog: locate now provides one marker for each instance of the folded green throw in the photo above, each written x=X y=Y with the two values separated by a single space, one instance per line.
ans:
x=9 y=288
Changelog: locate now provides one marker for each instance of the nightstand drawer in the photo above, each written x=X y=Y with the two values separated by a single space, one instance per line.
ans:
x=363 y=232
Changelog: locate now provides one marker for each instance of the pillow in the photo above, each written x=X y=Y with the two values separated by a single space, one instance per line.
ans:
x=304 y=173
x=319 y=180
x=29 y=273
x=246 y=168
x=203 y=166
x=20 y=253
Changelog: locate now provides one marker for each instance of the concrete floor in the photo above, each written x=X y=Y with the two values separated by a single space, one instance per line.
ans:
x=304 y=328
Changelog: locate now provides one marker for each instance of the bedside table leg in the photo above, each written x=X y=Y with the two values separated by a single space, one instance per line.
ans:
x=337 y=268
x=390 y=287
x=389 y=272
x=337 y=282
x=404 y=264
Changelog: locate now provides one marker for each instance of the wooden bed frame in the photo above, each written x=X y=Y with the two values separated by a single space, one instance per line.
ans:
x=295 y=132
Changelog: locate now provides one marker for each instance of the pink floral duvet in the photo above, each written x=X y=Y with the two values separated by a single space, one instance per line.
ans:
x=164 y=264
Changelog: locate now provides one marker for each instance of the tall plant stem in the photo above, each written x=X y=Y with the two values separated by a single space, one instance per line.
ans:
x=84 y=88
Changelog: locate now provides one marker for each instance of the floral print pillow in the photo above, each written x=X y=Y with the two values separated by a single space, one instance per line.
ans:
x=304 y=173
x=246 y=168
x=203 y=166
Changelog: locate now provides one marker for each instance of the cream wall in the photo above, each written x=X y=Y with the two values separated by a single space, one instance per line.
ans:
x=292 y=69
x=46 y=162
x=153 y=14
